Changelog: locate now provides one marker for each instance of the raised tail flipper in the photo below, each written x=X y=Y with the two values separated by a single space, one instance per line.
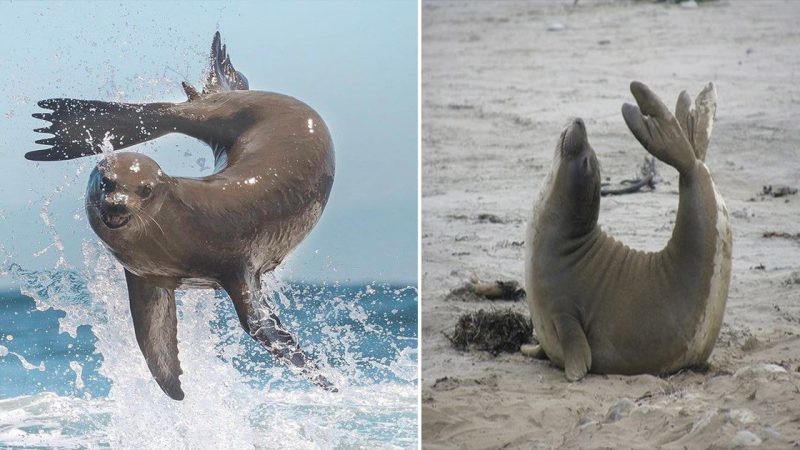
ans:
x=88 y=127
x=221 y=75
x=698 y=122
x=657 y=129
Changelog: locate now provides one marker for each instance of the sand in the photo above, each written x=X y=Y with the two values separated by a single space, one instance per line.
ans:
x=499 y=80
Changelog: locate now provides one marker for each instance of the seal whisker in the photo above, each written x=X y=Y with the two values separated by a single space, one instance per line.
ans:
x=141 y=211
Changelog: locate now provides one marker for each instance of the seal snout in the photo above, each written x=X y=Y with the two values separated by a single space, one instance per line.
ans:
x=574 y=139
x=113 y=207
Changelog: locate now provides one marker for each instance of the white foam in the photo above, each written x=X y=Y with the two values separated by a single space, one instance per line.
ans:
x=225 y=407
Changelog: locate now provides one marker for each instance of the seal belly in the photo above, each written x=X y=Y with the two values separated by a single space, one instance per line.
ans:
x=706 y=335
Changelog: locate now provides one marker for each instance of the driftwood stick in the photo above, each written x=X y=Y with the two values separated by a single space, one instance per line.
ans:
x=648 y=179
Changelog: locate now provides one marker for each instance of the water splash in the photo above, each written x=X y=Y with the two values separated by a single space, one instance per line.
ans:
x=28 y=366
x=236 y=397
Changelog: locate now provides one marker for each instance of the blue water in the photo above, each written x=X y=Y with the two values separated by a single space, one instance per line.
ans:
x=71 y=375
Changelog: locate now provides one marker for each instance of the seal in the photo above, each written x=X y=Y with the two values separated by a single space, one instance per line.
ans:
x=274 y=169
x=598 y=305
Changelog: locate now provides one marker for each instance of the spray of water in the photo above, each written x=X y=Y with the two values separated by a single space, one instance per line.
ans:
x=236 y=396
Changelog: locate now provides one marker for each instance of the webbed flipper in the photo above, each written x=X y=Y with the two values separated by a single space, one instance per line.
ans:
x=533 y=351
x=698 y=121
x=221 y=75
x=574 y=346
x=89 y=127
x=156 y=326
x=263 y=325
x=657 y=129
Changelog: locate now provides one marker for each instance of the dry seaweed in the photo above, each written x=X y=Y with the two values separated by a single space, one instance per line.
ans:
x=778 y=191
x=494 y=331
x=781 y=234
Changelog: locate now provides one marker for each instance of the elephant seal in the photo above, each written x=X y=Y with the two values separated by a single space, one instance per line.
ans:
x=274 y=168
x=599 y=305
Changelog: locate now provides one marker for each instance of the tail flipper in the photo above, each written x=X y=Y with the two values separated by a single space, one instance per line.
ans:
x=88 y=127
x=657 y=129
x=221 y=75
x=698 y=122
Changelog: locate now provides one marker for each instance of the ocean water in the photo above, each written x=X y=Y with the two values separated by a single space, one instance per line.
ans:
x=72 y=376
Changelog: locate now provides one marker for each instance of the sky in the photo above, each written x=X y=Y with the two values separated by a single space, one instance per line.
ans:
x=355 y=63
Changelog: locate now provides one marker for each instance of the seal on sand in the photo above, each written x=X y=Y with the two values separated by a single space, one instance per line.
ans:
x=599 y=305
x=274 y=168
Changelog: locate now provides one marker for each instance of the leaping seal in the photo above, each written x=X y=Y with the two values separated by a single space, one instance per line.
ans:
x=598 y=305
x=274 y=168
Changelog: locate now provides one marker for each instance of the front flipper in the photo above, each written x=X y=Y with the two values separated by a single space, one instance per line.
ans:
x=574 y=347
x=261 y=323
x=156 y=325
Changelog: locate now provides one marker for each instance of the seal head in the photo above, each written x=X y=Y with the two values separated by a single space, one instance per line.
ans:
x=123 y=187
x=578 y=177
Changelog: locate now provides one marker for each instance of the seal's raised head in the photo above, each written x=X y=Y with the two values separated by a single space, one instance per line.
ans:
x=578 y=176
x=121 y=187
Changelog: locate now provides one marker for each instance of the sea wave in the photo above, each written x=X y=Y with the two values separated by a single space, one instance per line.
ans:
x=364 y=337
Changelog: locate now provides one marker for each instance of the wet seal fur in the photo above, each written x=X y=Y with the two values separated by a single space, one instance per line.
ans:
x=598 y=305
x=274 y=169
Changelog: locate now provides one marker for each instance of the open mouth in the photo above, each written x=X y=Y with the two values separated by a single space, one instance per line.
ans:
x=115 y=220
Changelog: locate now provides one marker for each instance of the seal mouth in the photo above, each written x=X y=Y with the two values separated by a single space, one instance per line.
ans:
x=115 y=220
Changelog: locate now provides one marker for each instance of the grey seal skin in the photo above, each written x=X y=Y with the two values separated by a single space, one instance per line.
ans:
x=274 y=168
x=598 y=305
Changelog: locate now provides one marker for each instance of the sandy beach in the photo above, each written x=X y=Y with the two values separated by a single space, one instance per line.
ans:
x=499 y=80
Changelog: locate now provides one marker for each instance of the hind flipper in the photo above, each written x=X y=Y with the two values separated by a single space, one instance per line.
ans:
x=88 y=127
x=261 y=323
x=533 y=351
x=221 y=75
x=156 y=326
x=698 y=122
x=574 y=346
x=657 y=129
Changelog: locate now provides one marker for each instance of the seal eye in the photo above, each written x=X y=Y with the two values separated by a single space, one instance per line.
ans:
x=106 y=185
x=145 y=191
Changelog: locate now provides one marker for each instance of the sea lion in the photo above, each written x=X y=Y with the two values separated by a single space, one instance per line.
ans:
x=599 y=305
x=274 y=168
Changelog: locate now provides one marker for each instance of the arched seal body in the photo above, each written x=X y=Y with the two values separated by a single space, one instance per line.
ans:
x=274 y=171
x=599 y=305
